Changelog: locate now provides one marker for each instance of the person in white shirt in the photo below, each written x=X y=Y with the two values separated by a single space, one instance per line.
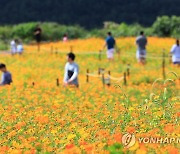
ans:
x=13 y=47
x=71 y=71
x=175 y=52
x=20 y=48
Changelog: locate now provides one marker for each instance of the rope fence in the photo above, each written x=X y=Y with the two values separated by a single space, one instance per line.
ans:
x=55 y=50
x=106 y=79
x=102 y=74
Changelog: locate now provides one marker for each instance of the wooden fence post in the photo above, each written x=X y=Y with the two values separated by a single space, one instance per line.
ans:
x=87 y=75
x=57 y=82
x=52 y=49
x=99 y=71
x=128 y=70
x=125 y=80
x=118 y=52
x=33 y=84
x=163 y=65
x=170 y=59
x=100 y=55
x=103 y=81
x=56 y=51
x=71 y=48
x=109 y=73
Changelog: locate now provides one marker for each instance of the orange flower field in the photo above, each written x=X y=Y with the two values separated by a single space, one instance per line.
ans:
x=37 y=116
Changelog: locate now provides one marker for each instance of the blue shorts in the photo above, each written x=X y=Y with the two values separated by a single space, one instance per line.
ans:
x=176 y=62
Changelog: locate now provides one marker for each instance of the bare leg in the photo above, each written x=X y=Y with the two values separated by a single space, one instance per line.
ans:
x=38 y=46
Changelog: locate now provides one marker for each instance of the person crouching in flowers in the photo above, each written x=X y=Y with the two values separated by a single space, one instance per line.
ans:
x=175 y=51
x=71 y=71
x=6 y=76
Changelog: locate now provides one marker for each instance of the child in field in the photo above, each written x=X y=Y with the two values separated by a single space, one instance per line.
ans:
x=141 y=42
x=13 y=46
x=175 y=51
x=65 y=38
x=110 y=44
x=6 y=76
x=71 y=71
x=20 y=48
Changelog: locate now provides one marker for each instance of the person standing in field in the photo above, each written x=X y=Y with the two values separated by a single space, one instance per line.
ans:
x=175 y=52
x=110 y=44
x=141 y=42
x=71 y=71
x=65 y=38
x=6 y=76
x=37 y=34
x=20 y=48
x=13 y=47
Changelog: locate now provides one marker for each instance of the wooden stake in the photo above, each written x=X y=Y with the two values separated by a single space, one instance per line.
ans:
x=71 y=48
x=99 y=71
x=103 y=79
x=109 y=73
x=170 y=59
x=163 y=66
x=87 y=76
x=57 y=82
x=52 y=49
x=125 y=80
x=128 y=70
x=56 y=51
x=100 y=55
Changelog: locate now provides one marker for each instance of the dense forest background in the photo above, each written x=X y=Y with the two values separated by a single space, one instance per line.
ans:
x=86 y=13
x=87 y=18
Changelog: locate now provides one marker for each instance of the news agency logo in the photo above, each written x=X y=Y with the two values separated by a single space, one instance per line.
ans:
x=128 y=140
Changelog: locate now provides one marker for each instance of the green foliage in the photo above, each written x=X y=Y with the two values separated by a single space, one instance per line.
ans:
x=50 y=31
x=54 y=31
x=115 y=149
x=176 y=26
x=3 y=45
x=164 y=26
x=119 y=30
x=24 y=31
x=167 y=26
x=5 y=32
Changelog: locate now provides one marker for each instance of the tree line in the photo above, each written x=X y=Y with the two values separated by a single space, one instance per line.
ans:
x=86 y=13
x=164 y=26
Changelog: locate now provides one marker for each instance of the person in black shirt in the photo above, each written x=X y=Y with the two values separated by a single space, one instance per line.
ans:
x=37 y=33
